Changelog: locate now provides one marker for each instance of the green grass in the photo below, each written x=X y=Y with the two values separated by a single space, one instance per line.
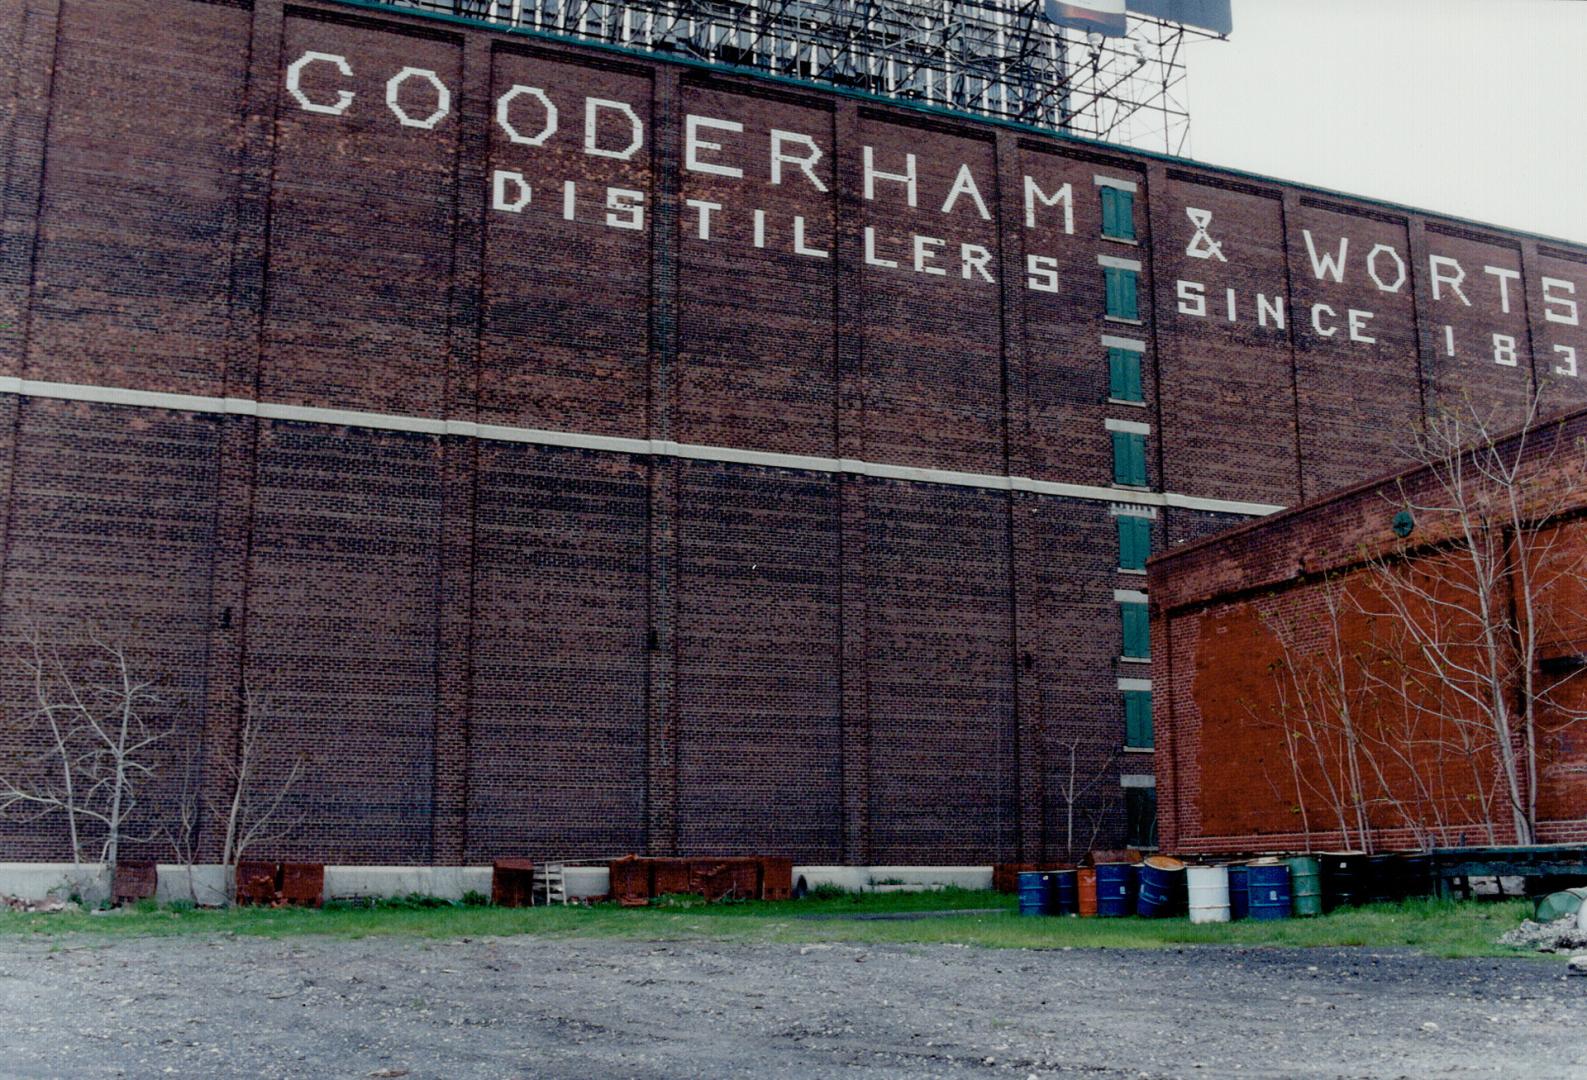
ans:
x=1438 y=928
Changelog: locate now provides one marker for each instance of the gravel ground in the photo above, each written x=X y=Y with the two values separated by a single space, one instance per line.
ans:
x=317 y=1007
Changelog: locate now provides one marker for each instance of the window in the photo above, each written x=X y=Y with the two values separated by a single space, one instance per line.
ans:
x=1140 y=817
x=1138 y=719
x=1118 y=213
x=1135 y=541
x=1121 y=292
x=1124 y=375
x=1129 y=458
x=1137 y=632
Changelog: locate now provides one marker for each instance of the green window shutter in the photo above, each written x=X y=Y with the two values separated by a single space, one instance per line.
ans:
x=1124 y=375
x=1129 y=458
x=1122 y=293
x=1129 y=300
x=1137 y=633
x=1135 y=541
x=1138 y=719
x=1118 y=213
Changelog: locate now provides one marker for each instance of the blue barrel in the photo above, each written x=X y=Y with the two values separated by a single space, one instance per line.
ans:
x=1115 y=889
x=1239 y=895
x=1063 y=893
x=1162 y=887
x=1267 y=887
x=1032 y=894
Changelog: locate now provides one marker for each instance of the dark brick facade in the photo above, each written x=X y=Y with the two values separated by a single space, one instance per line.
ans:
x=595 y=522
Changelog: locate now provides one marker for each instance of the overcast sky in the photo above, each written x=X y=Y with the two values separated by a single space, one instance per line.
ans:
x=1476 y=108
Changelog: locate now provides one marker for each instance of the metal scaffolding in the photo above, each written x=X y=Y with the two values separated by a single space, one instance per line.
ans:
x=999 y=58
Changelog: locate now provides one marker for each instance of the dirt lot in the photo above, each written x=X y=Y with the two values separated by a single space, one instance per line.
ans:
x=227 y=1006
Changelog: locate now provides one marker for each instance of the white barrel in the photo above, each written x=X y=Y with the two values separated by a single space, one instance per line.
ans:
x=1208 y=889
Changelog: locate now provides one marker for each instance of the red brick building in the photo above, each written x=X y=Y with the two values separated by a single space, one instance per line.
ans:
x=1244 y=763
x=595 y=453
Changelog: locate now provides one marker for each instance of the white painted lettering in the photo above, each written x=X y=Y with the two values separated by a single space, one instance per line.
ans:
x=570 y=194
x=1041 y=273
x=1228 y=298
x=1437 y=263
x=1560 y=309
x=625 y=209
x=504 y=117
x=1358 y=326
x=800 y=248
x=592 y=118
x=870 y=251
x=1325 y=265
x=964 y=184
x=1192 y=298
x=1449 y=341
x=925 y=250
x=1377 y=277
x=760 y=228
x=977 y=258
x=907 y=177
x=501 y=182
x=693 y=144
x=344 y=98
x=1269 y=308
x=705 y=209
x=805 y=163
x=1063 y=196
x=1504 y=350
x=1316 y=320
x=1568 y=365
x=1505 y=277
x=443 y=98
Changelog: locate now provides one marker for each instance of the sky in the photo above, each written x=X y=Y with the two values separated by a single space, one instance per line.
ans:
x=1476 y=108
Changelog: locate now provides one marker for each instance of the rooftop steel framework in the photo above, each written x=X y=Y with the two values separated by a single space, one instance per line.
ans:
x=999 y=58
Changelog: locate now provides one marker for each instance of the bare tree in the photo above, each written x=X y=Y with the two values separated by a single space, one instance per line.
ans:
x=1318 y=701
x=1075 y=787
x=252 y=812
x=93 y=741
x=1471 y=602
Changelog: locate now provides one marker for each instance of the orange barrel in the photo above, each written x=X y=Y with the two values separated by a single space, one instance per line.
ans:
x=1087 y=887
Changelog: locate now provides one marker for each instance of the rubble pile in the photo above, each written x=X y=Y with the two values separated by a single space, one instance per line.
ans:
x=1561 y=935
x=16 y=903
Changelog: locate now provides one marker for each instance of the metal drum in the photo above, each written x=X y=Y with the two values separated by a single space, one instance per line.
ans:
x=1086 y=891
x=1268 y=886
x=1162 y=887
x=1115 y=889
x=1032 y=894
x=1416 y=874
x=1062 y=893
x=1305 y=885
x=1239 y=893
x=1207 y=888
x=1341 y=878
x=1385 y=883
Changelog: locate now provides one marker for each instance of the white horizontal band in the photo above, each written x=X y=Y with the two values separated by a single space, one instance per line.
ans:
x=1129 y=344
x=1133 y=427
x=1128 y=596
x=156 y=399
x=1137 y=780
x=1119 y=264
x=1135 y=684
x=1114 y=182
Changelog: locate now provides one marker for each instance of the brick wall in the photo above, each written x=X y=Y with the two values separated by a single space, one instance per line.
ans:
x=1253 y=759
x=571 y=495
